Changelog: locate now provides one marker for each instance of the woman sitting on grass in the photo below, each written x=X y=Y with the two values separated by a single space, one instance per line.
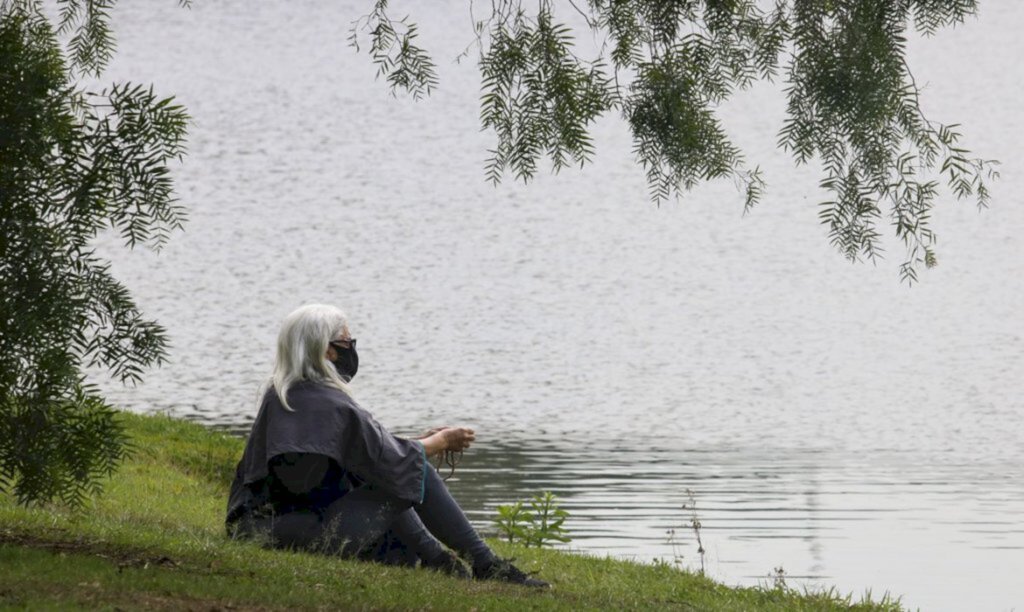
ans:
x=319 y=473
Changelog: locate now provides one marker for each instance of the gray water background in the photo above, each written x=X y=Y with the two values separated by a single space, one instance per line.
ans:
x=827 y=419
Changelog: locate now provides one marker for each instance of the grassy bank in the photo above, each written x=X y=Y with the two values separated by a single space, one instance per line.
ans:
x=155 y=539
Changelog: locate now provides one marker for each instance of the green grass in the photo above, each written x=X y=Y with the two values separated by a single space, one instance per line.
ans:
x=155 y=539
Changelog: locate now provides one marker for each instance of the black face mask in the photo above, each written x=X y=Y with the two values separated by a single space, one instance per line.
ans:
x=347 y=363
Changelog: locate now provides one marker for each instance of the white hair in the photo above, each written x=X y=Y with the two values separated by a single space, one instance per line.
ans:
x=302 y=350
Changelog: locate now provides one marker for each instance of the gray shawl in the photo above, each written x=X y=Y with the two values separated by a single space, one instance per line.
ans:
x=328 y=422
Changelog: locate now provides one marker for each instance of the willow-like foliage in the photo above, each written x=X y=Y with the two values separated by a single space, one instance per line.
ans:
x=667 y=65
x=71 y=163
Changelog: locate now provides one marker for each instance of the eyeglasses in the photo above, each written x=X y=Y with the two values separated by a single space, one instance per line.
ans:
x=343 y=344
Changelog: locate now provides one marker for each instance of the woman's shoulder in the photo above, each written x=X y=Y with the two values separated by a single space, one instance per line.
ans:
x=312 y=395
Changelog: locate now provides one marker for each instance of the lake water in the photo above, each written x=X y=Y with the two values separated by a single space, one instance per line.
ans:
x=827 y=419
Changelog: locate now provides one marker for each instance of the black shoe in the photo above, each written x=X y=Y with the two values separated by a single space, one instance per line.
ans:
x=448 y=563
x=503 y=570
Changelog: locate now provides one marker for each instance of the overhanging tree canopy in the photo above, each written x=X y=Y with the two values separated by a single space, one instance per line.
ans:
x=72 y=163
x=666 y=66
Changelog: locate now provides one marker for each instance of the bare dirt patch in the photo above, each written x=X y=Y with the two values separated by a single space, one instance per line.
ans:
x=96 y=548
x=96 y=593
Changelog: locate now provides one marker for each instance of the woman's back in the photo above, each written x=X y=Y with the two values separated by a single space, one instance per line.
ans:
x=305 y=480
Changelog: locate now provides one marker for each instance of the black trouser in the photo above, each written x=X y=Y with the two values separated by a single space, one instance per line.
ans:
x=372 y=525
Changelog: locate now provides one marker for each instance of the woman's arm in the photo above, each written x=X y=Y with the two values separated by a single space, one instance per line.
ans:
x=430 y=432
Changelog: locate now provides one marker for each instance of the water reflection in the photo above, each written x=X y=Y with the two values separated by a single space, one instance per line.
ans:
x=624 y=500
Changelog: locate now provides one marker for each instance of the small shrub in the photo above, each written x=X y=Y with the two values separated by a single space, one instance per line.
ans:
x=539 y=524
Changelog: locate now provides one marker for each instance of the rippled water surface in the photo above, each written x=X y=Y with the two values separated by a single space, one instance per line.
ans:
x=826 y=419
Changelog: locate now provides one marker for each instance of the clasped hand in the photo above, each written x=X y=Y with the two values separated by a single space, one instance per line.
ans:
x=455 y=439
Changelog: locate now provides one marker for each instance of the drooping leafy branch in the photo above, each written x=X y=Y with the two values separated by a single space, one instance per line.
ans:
x=538 y=97
x=667 y=66
x=854 y=104
x=398 y=58
x=71 y=163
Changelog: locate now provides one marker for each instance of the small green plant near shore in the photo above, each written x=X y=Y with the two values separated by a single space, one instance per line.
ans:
x=695 y=524
x=778 y=577
x=513 y=521
x=677 y=556
x=539 y=524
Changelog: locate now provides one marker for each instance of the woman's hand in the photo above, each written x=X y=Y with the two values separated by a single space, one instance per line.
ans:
x=448 y=438
x=458 y=438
